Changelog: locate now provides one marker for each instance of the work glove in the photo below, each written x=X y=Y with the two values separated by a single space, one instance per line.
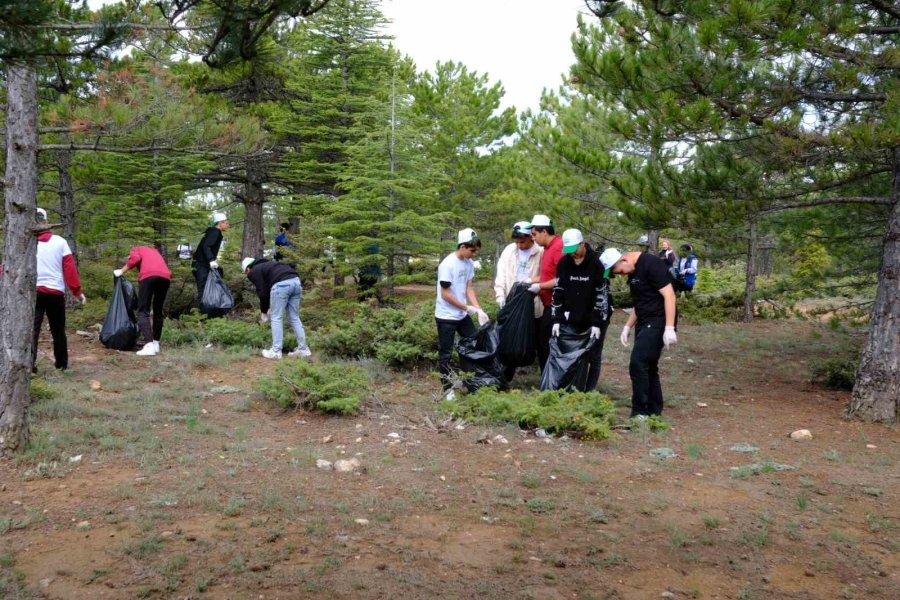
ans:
x=669 y=336
x=83 y=299
x=500 y=301
x=534 y=288
x=213 y=264
x=554 y=331
x=117 y=272
x=472 y=310
x=624 y=337
x=595 y=333
x=264 y=317
x=483 y=317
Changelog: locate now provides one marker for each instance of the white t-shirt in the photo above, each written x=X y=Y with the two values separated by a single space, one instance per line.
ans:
x=523 y=271
x=458 y=272
x=50 y=263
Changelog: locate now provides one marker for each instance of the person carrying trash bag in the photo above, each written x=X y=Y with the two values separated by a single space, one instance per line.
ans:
x=154 y=278
x=581 y=302
x=519 y=262
x=517 y=329
x=120 y=330
x=456 y=300
x=479 y=355
x=653 y=319
x=278 y=285
x=207 y=252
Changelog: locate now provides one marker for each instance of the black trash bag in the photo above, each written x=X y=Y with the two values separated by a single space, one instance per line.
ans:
x=515 y=323
x=569 y=361
x=120 y=330
x=478 y=355
x=216 y=300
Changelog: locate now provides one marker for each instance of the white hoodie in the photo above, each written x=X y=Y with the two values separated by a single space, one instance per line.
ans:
x=507 y=269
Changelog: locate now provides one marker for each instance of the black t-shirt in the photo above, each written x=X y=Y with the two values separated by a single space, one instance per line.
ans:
x=650 y=275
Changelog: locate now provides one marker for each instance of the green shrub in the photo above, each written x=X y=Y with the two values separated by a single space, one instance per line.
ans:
x=400 y=337
x=335 y=388
x=41 y=390
x=835 y=373
x=588 y=415
x=194 y=328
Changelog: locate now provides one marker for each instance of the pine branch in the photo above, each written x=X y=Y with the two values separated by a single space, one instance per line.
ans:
x=835 y=97
x=890 y=8
x=832 y=200
x=134 y=149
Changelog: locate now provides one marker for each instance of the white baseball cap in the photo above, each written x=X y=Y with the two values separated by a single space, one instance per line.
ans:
x=247 y=262
x=521 y=228
x=466 y=236
x=571 y=239
x=643 y=241
x=609 y=258
x=41 y=214
x=219 y=216
x=541 y=221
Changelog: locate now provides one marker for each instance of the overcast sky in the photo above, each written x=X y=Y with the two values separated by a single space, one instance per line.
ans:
x=525 y=44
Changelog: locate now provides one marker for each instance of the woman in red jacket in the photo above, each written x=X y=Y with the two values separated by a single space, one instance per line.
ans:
x=154 y=280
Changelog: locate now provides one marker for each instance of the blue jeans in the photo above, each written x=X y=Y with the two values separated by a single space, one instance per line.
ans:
x=285 y=295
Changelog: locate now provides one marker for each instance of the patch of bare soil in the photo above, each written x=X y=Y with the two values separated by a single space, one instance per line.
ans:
x=216 y=495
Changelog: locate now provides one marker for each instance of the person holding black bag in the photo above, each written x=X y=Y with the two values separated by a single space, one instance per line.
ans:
x=207 y=252
x=153 y=284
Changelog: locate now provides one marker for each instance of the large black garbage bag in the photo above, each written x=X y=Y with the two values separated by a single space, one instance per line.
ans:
x=216 y=300
x=569 y=361
x=515 y=323
x=120 y=330
x=478 y=355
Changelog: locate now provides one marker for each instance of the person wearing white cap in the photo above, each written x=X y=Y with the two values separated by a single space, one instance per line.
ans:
x=456 y=300
x=581 y=297
x=653 y=319
x=278 y=287
x=205 y=256
x=519 y=262
x=56 y=271
x=545 y=236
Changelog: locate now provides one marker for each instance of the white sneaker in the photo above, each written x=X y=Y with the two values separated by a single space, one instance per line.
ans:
x=450 y=395
x=269 y=353
x=156 y=343
x=301 y=352
x=149 y=349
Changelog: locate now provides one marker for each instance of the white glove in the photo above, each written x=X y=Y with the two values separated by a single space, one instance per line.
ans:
x=554 y=331
x=472 y=310
x=213 y=264
x=82 y=298
x=500 y=302
x=117 y=272
x=624 y=337
x=534 y=288
x=669 y=336
x=483 y=317
x=595 y=333
x=264 y=317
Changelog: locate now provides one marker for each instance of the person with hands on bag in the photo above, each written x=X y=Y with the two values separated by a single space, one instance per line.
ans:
x=278 y=285
x=653 y=321
x=56 y=270
x=153 y=284
x=456 y=300
x=544 y=235
x=205 y=256
x=581 y=297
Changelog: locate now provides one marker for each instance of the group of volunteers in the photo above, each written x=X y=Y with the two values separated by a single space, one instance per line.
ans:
x=570 y=283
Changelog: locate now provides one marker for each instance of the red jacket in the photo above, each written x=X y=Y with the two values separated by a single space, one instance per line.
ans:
x=552 y=255
x=149 y=262
x=56 y=268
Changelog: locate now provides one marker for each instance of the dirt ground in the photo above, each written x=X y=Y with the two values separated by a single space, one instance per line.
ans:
x=189 y=486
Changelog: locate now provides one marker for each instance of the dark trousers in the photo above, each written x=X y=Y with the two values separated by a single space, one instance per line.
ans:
x=54 y=306
x=447 y=331
x=544 y=332
x=646 y=391
x=595 y=357
x=152 y=294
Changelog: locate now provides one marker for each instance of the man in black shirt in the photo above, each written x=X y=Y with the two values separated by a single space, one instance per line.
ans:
x=654 y=320
x=205 y=256
x=581 y=297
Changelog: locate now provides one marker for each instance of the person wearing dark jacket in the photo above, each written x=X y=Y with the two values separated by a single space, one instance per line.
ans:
x=279 y=290
x=207 y=252
x=581 y=297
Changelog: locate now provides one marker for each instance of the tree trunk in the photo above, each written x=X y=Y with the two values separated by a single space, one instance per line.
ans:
x=653 y=241
x=750 y=286
x=17 y=286
x=254 y=198
x=876 y=395
x=66 y=198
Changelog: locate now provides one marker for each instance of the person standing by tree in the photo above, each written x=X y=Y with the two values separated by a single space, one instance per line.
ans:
x=654 y=319
x=56 y=270
x=544 y=235
x=282 y=240
x=278 y=284
x=519 y=262
x=688 y=267
x=667 y=254
x=581 y=297
x=207 y=252
x=153 y=284
x=456 y=300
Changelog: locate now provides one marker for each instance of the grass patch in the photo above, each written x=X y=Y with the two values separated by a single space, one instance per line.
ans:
x=540 y=505
x=332 y=388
